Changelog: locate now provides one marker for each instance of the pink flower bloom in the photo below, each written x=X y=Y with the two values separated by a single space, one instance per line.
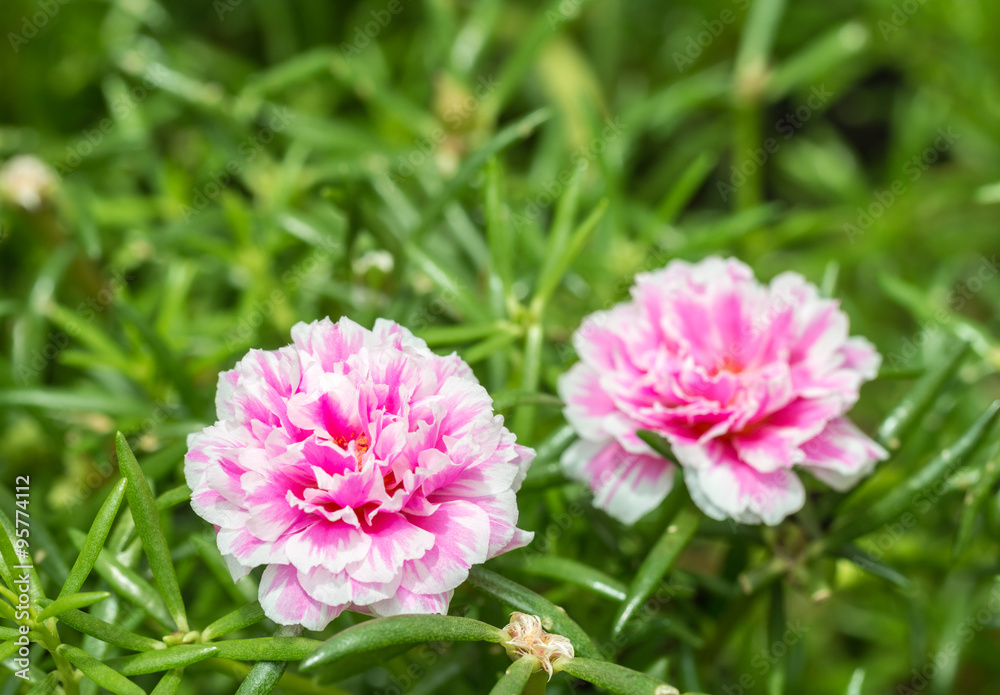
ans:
x=746 y=382
x=364 y=471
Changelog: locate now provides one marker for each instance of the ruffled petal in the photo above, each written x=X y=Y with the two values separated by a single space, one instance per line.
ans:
x=625 y=485
x=841 y=454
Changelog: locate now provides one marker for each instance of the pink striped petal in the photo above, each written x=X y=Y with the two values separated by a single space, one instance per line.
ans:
x=285 y=601
x=625 y=485
x=841 y=454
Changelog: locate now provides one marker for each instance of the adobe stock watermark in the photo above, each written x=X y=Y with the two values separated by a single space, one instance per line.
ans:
x=86 y=486
x=224 y=7
x=913 y=168
x=86 y=311
x=22 y=582
x=764 y=660
x=365 y=33
x=901 y=13
x=122 y=107
x=786 y=126
x=922 y=676
x=458 y=113
x=954 y=302
x=697 y=43
x=867 y=558
x=566 y=11
x=31 y=25
x=581 y=157
x=291 y=280
x=249 y=148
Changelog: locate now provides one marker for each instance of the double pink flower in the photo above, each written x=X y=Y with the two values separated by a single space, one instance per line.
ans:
x=748 y=383
x=364 y=471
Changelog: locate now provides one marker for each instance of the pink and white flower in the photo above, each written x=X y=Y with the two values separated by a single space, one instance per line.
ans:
x=364 y=471
x=747 y=382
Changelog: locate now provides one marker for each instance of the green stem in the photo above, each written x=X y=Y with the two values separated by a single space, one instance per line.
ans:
x=747 y=138
x=50 y=636
x=524 y=418
x=264 y=676
x=762 y=575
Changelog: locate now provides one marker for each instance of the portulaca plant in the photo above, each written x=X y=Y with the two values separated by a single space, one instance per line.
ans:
x=356 y=481
x=359 y=513
x=367 y=474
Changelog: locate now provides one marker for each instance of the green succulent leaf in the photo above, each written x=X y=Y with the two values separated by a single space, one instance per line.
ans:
x=127 y=583
x=574 y=572
x=657 y=563
x=170 y=683
x=71 y=602
x=874 y=567
x=241 y=618
x=864 y=521
x=549 y=282
x=918 y=400
x=267 y=648
x=614 y=678
x=163 y=659
x=95 y=539
x=516 y=676
x=402 y=629
x=103 y=675
x=47 y=686
x=147 y=524
x=989 y=475
x=518 y=130
x=108 y=632
x=264 y=676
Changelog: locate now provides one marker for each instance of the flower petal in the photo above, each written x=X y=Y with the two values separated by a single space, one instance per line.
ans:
x=331 y=545
x=394 y=540
x=841 y=454
x=625 y=485
x=285 y=601
x=405 y=601
x=728 y=488
x=461 y=539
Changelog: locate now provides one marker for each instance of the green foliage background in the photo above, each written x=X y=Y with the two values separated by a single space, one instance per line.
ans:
x=231 y=168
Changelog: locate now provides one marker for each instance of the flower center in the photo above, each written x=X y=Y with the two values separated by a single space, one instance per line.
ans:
x=361 y=445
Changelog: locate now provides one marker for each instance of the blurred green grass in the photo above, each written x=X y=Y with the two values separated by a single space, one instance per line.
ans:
x=231 y=168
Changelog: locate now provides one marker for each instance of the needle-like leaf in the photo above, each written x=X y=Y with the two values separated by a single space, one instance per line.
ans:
x=147 y=524
x=103 y=675
x=71 y=602
x=244 y=617
x=614 y=678
x=127 y=583
x=95 y=539
x=919 y=398
x=574 y=572
x=657 y=563
x=400 y=629
x=108 y=632
x=516 y=676
x=163 y=659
